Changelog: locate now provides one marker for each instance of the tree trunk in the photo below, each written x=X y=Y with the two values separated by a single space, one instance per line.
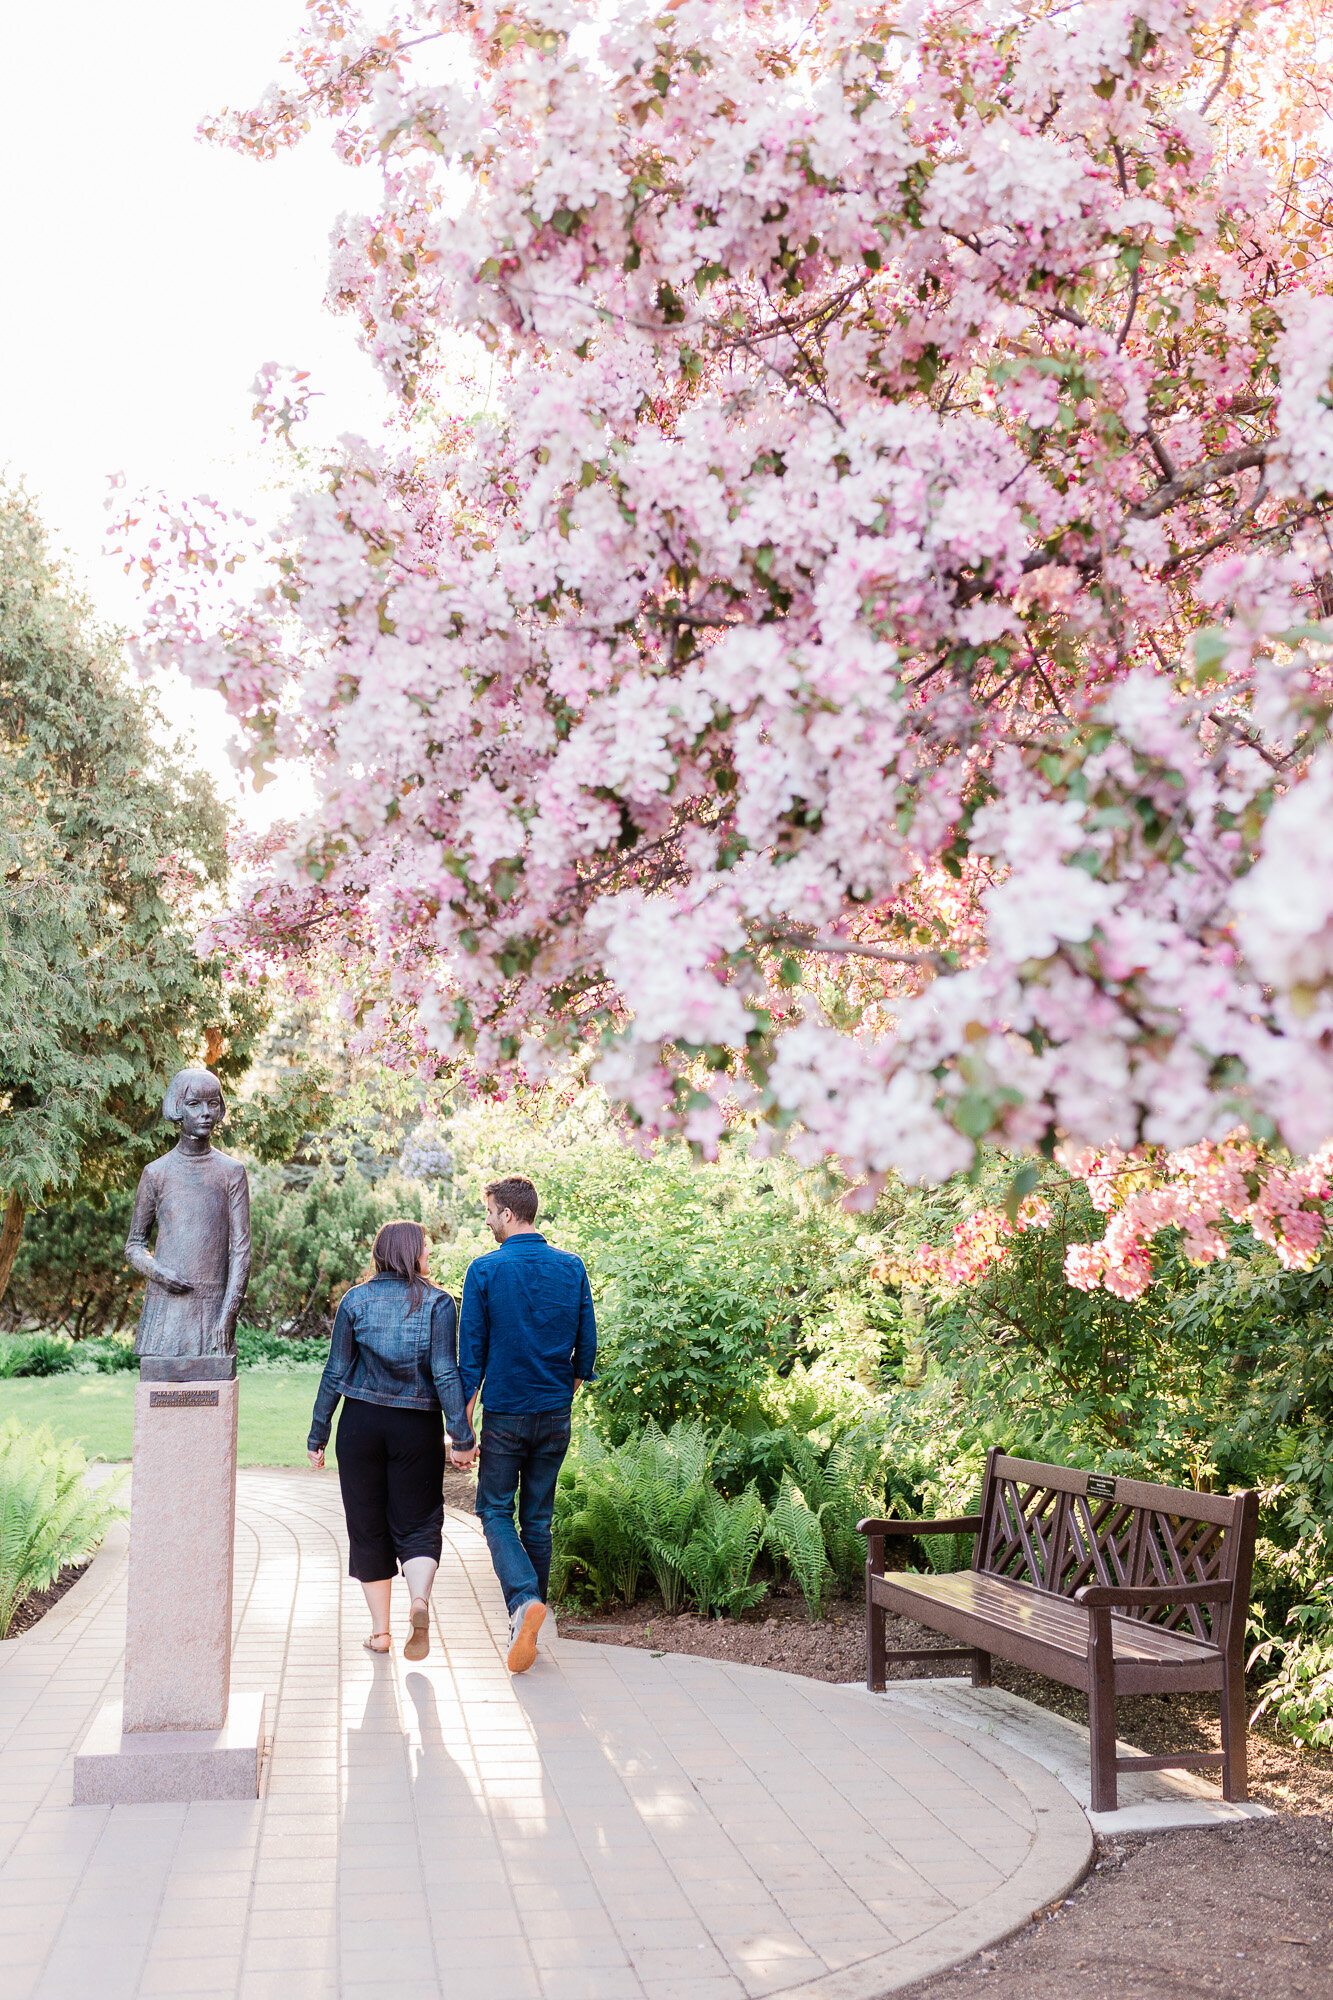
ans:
x=11 y=1235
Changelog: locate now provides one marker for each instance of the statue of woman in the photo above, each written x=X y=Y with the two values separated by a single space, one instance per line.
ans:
x=200 y=1201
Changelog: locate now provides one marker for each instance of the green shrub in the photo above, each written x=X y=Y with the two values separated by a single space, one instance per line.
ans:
x=311 y=1243
x=49 y=1516
x=626 y=1509
x=668 y=1494
x=258 y=1346
x=36 y=1354
x=112 y=1355
x=1300 y=1694
x=710 y=1281
x=599 y=1551
x=655 y=1505
x=70 y=1271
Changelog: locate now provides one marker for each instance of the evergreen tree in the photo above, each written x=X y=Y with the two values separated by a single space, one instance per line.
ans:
x=108 y=843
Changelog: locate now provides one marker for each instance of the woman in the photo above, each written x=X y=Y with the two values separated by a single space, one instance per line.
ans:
x=394 y=1361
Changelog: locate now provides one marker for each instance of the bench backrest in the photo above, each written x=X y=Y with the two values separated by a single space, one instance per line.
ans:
x=1058 y=1529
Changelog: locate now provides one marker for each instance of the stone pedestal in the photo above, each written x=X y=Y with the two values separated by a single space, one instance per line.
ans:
x=117 y=1766
x=178 y=1734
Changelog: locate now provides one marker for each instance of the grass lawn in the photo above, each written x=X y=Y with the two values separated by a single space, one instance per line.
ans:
x=98 y=1410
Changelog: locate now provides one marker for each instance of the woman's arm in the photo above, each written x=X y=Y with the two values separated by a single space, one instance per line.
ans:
x=444 y=1372
x=335 y=1373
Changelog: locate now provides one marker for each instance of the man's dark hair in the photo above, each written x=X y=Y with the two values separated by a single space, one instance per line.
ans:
x=516 y=1193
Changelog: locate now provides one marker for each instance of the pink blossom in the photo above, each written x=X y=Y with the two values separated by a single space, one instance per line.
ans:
x=805 y=674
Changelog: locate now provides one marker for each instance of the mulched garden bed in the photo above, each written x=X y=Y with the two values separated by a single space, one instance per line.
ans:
x=40 y=1602
x=1242 y=1912
x=1230 y=1913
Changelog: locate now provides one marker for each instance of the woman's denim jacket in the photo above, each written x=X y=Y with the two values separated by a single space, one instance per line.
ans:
x=382 y=1353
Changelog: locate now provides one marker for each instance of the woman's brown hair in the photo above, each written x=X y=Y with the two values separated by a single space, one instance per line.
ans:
x=397 y=1250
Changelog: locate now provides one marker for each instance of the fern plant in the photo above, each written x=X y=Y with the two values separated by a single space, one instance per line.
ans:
x=950 y=1553
x=796 y=1531
x=603 y=1534
x=49 y=1516
x=718 y=1560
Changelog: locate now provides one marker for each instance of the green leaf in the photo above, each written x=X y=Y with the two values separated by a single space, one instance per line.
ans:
x=1020 y=1187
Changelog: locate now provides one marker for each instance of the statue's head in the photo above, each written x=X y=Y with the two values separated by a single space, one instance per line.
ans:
x=194 y=1102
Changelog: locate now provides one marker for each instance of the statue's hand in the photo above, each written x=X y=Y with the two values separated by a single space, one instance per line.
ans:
x=170 y=1282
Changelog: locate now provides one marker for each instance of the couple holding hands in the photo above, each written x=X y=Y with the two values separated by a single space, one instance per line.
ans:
x=408 y=1369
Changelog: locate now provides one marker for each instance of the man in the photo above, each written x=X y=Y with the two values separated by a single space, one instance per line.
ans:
x=527 y=1333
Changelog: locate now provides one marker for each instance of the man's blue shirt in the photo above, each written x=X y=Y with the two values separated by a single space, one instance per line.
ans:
x=527 y=1328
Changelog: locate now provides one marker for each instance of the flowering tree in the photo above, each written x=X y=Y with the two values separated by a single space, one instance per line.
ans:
x=865 y=662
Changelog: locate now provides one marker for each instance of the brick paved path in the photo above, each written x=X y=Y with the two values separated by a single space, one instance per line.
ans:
x=612 y=1824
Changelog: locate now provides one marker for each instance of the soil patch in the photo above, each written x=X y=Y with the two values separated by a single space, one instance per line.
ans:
x=460 y=1490
x=1242 y=1912
x=36 y=1606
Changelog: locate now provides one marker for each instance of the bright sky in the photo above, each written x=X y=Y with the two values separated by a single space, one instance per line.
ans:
x=149 y=278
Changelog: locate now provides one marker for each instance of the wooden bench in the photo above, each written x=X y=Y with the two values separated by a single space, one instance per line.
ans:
x=1109 y=1585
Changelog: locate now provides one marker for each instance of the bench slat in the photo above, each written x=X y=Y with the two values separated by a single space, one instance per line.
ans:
x=1037 y=1614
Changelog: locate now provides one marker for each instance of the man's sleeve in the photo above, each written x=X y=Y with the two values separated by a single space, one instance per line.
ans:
x=585 y=1340
x=474 y=1333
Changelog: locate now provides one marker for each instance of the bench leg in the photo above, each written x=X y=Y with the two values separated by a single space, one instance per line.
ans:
x=1101 y=1713
x=874 y=1643
x=1235 y=1769
x=980 y=1668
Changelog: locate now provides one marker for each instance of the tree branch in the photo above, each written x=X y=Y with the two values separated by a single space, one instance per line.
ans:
x=1238 y=521
x=1159 y=452
x=1229 y=49
x=1187 y=484
x=1130 y=310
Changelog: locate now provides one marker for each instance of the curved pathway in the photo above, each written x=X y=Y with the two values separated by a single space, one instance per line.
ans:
x=613 y=1824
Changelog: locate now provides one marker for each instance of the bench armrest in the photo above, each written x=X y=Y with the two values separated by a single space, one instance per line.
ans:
x=965 y=1524
x=875 y=1532
x=1112 y=1597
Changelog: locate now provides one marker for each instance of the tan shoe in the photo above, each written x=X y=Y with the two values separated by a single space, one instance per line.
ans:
x=524 y=1626
x=418 y=1644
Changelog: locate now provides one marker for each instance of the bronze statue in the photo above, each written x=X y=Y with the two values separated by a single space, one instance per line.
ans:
x=198 y=1269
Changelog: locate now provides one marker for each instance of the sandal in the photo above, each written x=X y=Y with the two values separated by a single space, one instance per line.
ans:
x=418 y=1645
x=379 y=1651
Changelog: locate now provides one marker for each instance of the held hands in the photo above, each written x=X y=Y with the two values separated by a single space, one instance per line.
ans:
x=316 y=1459
x=455 y=1454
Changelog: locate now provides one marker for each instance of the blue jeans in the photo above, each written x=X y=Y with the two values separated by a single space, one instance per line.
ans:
x=521 y=1455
